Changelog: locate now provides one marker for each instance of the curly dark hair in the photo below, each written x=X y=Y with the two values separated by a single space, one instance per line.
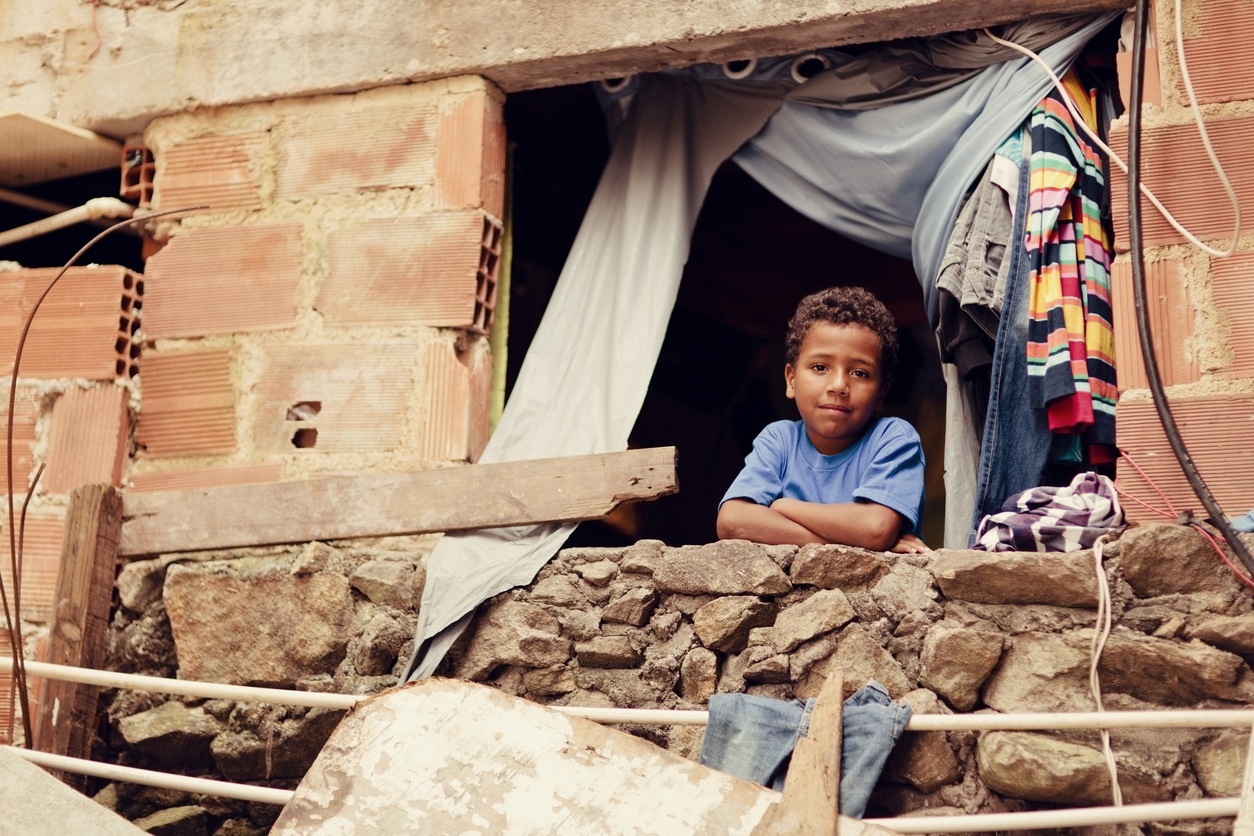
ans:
x=844 y=306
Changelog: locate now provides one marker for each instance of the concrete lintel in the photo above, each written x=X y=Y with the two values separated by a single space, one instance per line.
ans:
x=156 y=60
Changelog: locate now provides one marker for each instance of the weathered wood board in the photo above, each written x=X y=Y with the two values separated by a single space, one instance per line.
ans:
x=380 y=504
x=443 y=756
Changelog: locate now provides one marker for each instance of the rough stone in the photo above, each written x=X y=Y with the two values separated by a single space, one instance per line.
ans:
x=625 y=687
x=580 y=624
x=558 y=590
x=1043 y=672
x=1234 y=633
x=607 y=652
x=923 y=759
x=957 y=660
x=634 y=607
x=686 y=604
x=1220 y=764
x=387 y=582
x=1021 y=618
x=145 y=645
x=227 y=627
x=782 y=555
x=724 y=623
x=861 y=658
x=1064 y=580
x=698 y=675
x=731 y=567
x=513 y=633
x=549 y=682
x=598 y=574
x=139 y=583
x=1162 y=559
x=838 y=567
x=187 y=820
x=766 y=667
x=279 y=749
x=641 y=558
x=380 y=645
x=1038 y=768
x=906 y=590
x=172 y=733
x=823 y=612
x=317 y=557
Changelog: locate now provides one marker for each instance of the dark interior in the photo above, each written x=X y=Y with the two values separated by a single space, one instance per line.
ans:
x=719 y=379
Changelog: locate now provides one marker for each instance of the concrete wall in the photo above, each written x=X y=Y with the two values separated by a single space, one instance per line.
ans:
x=156 y=57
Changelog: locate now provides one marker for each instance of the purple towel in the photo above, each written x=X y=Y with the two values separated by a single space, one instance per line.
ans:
x=1053 y=519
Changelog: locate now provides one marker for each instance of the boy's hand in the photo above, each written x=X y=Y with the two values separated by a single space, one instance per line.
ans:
x=909 y=544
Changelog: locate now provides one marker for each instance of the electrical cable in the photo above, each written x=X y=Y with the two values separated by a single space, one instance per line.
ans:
x=1135 y=244
x=1101 y=632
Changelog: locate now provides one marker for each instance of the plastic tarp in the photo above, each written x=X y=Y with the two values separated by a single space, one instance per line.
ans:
x=891 y=177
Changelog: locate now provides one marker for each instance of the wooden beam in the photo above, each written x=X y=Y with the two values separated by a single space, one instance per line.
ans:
x=67 y=711
x=380 y=504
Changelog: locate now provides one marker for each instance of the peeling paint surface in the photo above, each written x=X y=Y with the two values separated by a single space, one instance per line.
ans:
x=452 y=757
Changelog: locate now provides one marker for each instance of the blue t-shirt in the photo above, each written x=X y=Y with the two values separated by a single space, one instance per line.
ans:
x=885 y=465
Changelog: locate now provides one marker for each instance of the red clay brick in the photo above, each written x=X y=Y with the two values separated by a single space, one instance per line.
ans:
x=25 y=417
x=76 y=331
x=1231 y=290
x=334 y=397
x=480 y=402
x=215 y=170
x=41 y=555
x=223 y=280
x=1218 y=54
x=470 y=154
x=206 y=477
x=446 y=395
x=8 y=699
x=1177 y=169
x=367 y=149
x=397 y=271
x=188 y=404
x=1171 y=324
x=1211 y=428
x=89 y=438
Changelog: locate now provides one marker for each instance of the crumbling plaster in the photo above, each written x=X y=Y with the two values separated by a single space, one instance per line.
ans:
x=156 y=58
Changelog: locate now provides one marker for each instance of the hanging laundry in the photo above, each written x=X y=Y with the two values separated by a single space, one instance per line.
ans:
x=1071 y=347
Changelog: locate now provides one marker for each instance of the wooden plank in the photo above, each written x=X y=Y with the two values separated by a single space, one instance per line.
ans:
x=67 y=711
x=379 y=504
x=811 y=802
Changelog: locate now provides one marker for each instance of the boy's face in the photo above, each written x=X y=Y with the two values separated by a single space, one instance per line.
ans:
x=837 y=384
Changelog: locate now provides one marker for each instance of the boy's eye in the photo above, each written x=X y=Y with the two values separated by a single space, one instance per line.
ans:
x=819 y=367
x=860 y=373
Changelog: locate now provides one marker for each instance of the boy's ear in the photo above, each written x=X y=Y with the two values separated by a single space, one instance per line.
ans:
x=790 y=374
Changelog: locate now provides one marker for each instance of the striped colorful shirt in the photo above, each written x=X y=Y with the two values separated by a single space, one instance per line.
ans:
x=1071 y=343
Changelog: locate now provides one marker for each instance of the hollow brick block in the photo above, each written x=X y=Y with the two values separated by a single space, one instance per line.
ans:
x=41 y=556
x=88 y=441
x=25 y=417
x=206 y=477
x=446 y=407
x=83 y=327
x=334 y=397
x=188 y=404
x=223 y=280
x=220 y=172
x=1171 y=324
x=366 y=147
x=1177 y=169
x=1217 y=51
x=470 y=153
x=1231 y=279
x=435 y=269
x=1213 y=429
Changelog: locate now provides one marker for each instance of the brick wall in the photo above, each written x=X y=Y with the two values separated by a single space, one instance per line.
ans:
x=328 y=310
x=1198 y=304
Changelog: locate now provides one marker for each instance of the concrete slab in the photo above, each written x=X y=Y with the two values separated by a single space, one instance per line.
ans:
x=36 y=804
x=443 y=756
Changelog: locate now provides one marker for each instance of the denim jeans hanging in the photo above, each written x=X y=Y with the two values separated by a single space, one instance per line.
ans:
x=753 y=737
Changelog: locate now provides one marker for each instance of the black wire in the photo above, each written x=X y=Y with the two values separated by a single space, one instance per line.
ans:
x=1217 y=515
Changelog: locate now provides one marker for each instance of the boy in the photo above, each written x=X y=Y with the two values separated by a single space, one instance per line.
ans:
x=841 y=474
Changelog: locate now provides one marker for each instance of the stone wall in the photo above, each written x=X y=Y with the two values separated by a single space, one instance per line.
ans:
x=653 y=626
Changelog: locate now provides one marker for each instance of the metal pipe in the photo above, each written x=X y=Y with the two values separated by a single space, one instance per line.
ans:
x=1211 y=808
